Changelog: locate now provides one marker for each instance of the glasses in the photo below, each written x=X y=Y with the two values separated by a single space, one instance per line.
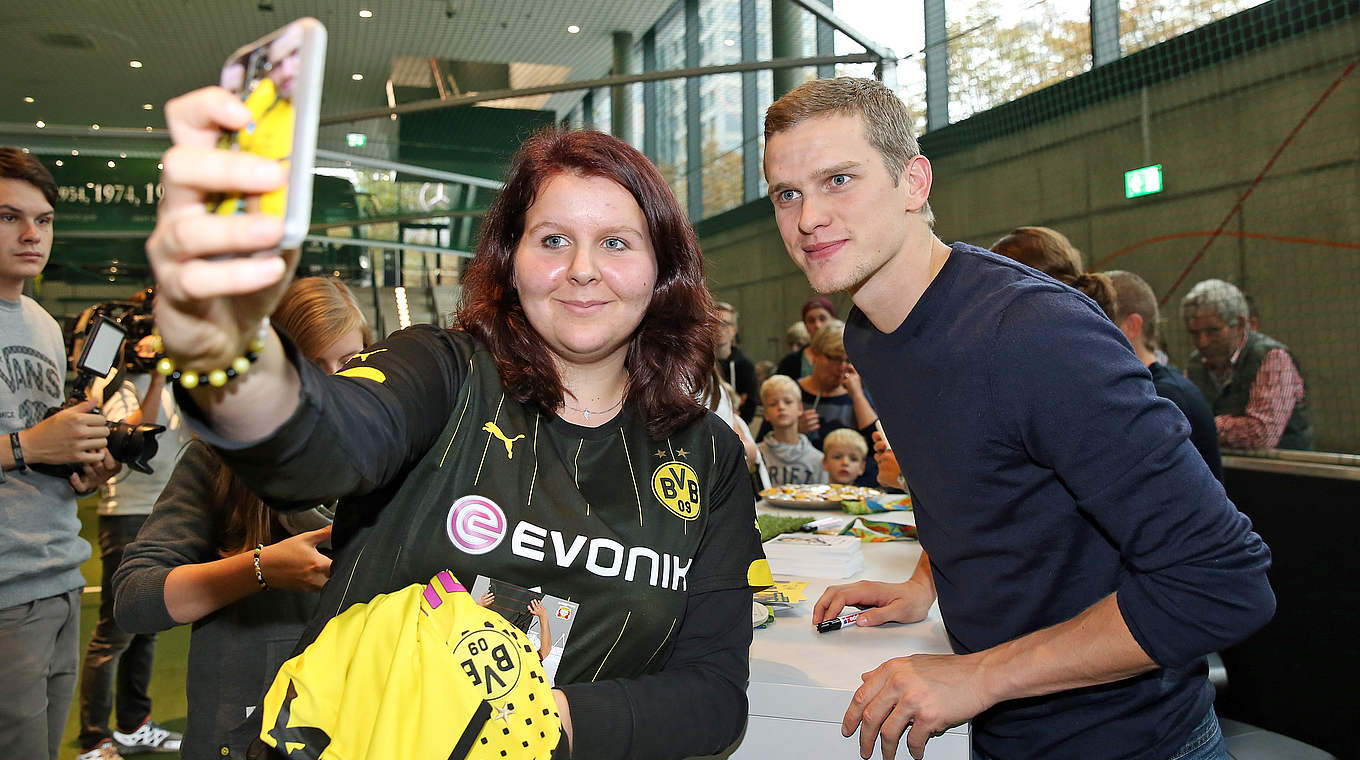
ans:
x=1208 y=332
x=834 y=359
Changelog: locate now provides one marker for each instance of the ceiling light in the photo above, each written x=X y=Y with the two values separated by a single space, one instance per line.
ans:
x=59 y=162
x=356 y=76
x=148 y=128
x=25 y=150
x=40 y=123
x=122 y=155
x=95 y=127
x=112 y=164
x=147 y=106
x=160 y=167
x=365 y=13
x=135 y=64
x=77 y=153
x=573 y=29
x=28 y=98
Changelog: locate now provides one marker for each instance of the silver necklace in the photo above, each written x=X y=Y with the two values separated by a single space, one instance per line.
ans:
x=585 y=413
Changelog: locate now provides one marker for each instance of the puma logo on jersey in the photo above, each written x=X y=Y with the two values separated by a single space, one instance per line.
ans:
x=495 y=430
x=363 y=355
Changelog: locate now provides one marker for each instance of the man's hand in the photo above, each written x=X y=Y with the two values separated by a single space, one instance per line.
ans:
x=91 y=476
x=888 y=470
x=921 y=696
x=75 y=435
x=906 y=602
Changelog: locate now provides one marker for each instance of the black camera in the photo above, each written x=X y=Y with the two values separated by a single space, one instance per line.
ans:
x=133 y=315
x=101 y=341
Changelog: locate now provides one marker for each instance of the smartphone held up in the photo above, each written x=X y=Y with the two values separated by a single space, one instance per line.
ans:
x=279 y=78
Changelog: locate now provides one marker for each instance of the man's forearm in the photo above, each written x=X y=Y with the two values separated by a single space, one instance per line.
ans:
x=1095 y=647
x=922 y=575
x=149 y=407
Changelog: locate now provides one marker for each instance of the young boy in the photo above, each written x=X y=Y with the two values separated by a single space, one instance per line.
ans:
x=789 y=455
x=845 y=453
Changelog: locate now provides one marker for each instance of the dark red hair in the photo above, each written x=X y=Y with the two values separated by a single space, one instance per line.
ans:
x=670 y=353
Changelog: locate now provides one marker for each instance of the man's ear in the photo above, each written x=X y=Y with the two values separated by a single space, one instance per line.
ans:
x=918 y=177
x=1132 y=327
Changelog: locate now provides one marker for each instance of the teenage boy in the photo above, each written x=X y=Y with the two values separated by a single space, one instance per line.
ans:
x=1084 y=558
x=40 y=545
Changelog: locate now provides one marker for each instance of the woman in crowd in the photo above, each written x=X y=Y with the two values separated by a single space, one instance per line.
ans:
x=817 y=311
x=1050 y=252
x=194 y=561
x=553 y=441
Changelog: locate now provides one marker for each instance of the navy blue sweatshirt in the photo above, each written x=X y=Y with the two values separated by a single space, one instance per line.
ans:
x=1046 y=474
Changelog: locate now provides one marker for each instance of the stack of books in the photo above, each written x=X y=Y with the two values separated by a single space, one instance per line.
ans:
x=814 y=555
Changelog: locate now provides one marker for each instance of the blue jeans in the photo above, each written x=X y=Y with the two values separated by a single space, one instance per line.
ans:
x=1205 y=743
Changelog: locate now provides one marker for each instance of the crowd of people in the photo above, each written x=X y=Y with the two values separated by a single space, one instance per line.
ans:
x=586 y=433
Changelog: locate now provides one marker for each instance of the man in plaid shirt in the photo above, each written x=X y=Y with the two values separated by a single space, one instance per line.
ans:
x=1252 y=381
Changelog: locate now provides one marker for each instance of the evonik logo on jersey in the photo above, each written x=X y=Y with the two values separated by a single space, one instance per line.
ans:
x=477 y=525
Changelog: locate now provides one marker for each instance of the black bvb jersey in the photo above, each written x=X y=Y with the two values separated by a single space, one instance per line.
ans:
x=463 y=478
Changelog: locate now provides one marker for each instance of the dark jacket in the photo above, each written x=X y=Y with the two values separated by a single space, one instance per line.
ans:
x=235 y=651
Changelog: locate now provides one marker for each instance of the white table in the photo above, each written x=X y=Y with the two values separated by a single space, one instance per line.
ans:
x=802 y=681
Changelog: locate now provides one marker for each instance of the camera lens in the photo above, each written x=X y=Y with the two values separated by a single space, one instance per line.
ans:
x=134 y=445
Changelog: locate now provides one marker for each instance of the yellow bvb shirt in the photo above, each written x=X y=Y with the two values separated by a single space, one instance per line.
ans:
x=423 y=672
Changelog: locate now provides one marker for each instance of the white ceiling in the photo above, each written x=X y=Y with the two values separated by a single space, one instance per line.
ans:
x=72 y=56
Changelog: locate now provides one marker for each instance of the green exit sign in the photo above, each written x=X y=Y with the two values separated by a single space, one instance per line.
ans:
x=356 y=139
x=1144 y=181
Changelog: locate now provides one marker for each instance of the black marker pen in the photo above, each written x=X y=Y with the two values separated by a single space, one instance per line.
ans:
x=837 y=623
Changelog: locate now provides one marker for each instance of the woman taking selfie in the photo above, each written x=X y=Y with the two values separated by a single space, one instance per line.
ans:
x=552 y=441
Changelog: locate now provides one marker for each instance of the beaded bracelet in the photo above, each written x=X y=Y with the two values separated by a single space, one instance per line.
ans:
x=189 y=379
x=259 y=575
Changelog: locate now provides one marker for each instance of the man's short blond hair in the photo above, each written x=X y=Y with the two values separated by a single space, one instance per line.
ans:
x=887 y=123
x=780 y=384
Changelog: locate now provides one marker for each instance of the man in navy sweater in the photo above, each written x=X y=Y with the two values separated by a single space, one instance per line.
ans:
x=1084 y=558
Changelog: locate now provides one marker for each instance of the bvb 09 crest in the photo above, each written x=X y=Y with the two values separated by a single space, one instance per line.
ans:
x=676 y=486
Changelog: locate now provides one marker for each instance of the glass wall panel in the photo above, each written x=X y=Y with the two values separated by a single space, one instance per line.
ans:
x=999 y=51
x=720 y=104
x=671 y=156
x=1145 y=23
